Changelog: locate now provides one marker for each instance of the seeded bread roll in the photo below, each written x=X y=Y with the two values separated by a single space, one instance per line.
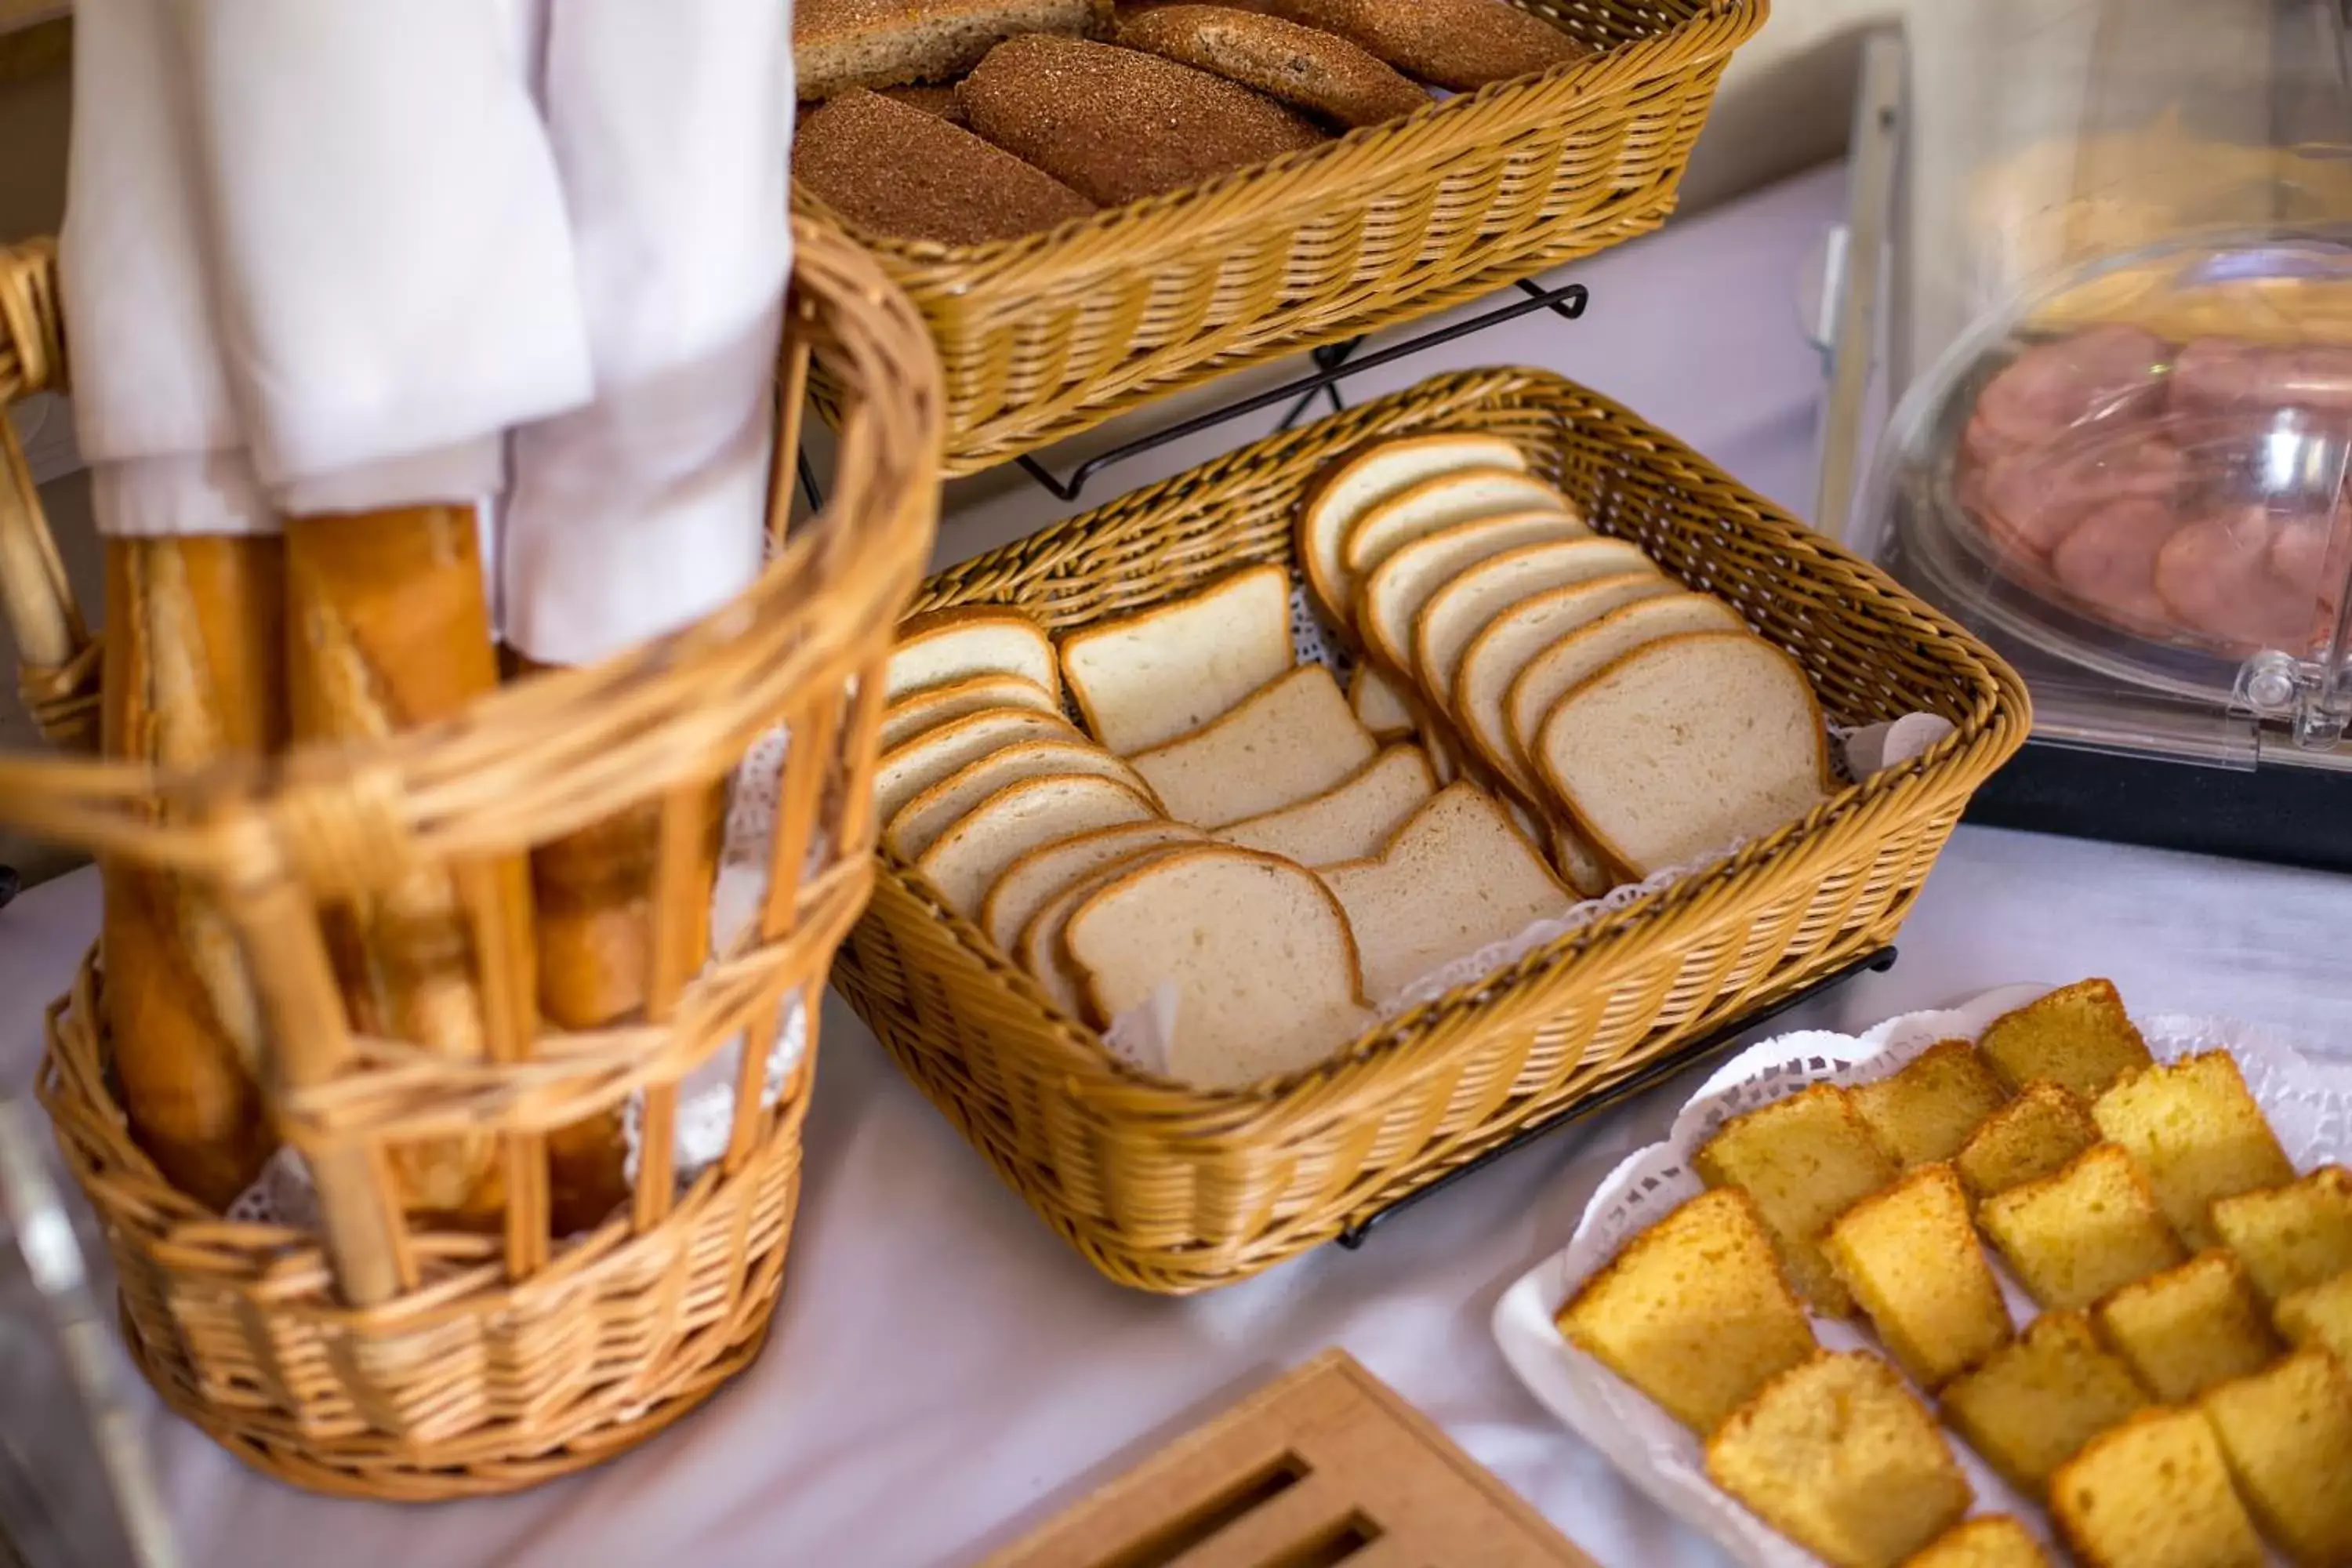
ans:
x=1458 y=44
x=1115 y=125
x=838 y=45
x=1303 y=67
x=893 y=169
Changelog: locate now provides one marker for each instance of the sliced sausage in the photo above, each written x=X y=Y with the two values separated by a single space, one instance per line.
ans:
x=2032 y=501
x=2214 y=575
x=2109 y=561
x=2051 y=387
x=2228 y=376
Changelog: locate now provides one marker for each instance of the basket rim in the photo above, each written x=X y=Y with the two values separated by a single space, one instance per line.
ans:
x=1197 y=211
x=1996 y=725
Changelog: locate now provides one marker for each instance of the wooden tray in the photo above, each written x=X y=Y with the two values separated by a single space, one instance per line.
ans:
x=1322 y=1468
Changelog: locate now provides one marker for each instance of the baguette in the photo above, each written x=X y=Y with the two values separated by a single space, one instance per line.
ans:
x=387 y=628
x=891 y=169
x=838 y=45
x=194 y=672
x=1304 y=67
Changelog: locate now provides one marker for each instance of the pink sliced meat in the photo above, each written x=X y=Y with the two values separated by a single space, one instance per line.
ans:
x=2051 y=387
x=2214 y=575
x=2314 y=555
x=2227 y=375
x=2109 y=561
x=2032 y=501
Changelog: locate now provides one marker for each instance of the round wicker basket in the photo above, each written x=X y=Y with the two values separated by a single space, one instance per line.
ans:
x=373 y=1355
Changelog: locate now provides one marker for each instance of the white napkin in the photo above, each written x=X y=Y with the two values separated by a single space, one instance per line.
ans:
x=151 y=408
x=671 y=124
x=394 y=273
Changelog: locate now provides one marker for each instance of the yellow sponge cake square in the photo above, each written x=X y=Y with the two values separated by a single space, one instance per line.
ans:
x=1926 y=1111
x=1693 y=1311
x=2033 y=1406
x=2092 y=1228
x=1988 y=1541
x=2321 y=1316
x=2287 y=1434
x=1910 y=1256
x=2188 y=1328
x=2030 y=1137
x=1839 y=1456
x=2197 y=1132
x=2294 y=1236
x=2078 y=1036
x=1805 y=1159
x=2153 y=1493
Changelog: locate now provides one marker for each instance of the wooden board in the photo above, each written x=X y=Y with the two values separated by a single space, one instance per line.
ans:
x=1325 y=1468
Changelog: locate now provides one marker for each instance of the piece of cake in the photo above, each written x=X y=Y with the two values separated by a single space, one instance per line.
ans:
x=2093 y=1228
x=2321 y=1316
x=2033 y=1406
x=2030 y=1137
x=1926 y=1112
x=1910 y=1256
x=1805 y=1159
x=2153 y=1493
x=2188 y=1328
x=1839 y=1456
x=1693 y=1311
x=2287 y=1434
x=2197 y=1132
x=1988 y=1541
x=2294 y=1236
x=2078 y=1036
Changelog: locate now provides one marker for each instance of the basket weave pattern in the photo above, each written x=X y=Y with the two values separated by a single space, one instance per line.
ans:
x=1173 y=1189
x=1049 y=334
x=378 y=1357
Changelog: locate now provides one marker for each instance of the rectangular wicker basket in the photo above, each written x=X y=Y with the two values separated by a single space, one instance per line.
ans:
x=1052 y=333
x=1175 y=1189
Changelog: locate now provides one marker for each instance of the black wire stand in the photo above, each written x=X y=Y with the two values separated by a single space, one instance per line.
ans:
x=1717 y=1043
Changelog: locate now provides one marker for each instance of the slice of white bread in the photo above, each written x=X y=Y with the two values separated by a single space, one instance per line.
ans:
x=1264 y=965
x=949 y=645
x=963 y=862
x=1393 y=595
x=1572 y=859
x=1039 y=949
x=1380 y=706
x=1496 y=655
x=1291 y=739
x=1463 y=609
x=919 y=824
x=1352 y=487
x=1456 y=876
x=1145 y=678
x=1747 y=754
x=1462 y=496
x=1351 y=820
x=913 y=767
x=903 y=720
x=1566 y=664
x=1029 y=883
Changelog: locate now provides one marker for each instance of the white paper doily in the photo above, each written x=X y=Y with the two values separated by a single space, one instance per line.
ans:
x=2309 y=1102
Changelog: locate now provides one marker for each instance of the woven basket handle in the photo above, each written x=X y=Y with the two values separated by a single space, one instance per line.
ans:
x=57 y=673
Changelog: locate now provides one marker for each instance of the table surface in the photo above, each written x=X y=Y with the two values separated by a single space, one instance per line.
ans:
x=945 y=1374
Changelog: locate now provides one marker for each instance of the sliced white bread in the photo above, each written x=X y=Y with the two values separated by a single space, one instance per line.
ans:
x=1145 y=678
x=963 y=862
x=904 y=720
x=1351 y=820
x=913 y=767
x=1030 y=882
x=1463 y=607
x=1292 y=738
x=919 y=824
x=947 y=645
x=1265 y=969
x=1362 y=482
x=1039 y=950
x=1444 y=761
x=1496 y=655
x=1463 y=496
x=1380 y=706
x=1550 y=676
x=1456 y=878
x=1393 y=594
x=1578 y=862
x=1747 y=755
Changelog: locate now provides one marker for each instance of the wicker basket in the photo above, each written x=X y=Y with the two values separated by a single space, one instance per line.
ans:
x=376 y=1357
x=1050 y=334
x=1175 y=1190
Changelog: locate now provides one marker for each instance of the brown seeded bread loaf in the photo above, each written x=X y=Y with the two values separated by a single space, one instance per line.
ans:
x=838 y=45
x=1458 y=44
x=939 y=100
x=1304 y=67
x=894 y=170
x=1117 y=125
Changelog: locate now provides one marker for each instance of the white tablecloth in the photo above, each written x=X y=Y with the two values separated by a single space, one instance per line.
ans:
x=944 y=1374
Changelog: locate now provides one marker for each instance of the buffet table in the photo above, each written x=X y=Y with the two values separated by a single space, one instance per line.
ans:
x=944 y=1374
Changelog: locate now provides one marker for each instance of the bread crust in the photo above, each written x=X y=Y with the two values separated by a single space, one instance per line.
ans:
x=1463 y=44
x=1305 y=67
x=1321 y=540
